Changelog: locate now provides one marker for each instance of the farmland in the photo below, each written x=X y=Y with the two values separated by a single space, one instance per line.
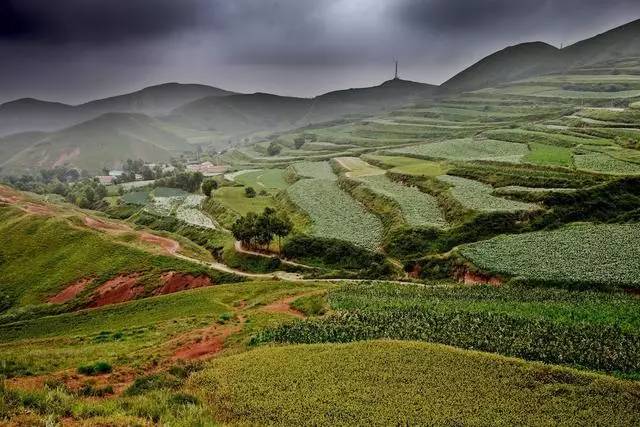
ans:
x=578 y=255
x=334 y=213
x=456 y=255
x=468 y=149
x=418 y=208
x=477 y=196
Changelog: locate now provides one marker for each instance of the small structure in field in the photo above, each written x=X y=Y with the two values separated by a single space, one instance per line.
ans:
x=207 y=168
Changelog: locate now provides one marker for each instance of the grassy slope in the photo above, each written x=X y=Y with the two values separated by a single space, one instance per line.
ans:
x=391 y=383
x=43 y=254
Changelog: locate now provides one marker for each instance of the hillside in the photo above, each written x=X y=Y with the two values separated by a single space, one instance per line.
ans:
x=105 y=141
x=537 y=58
x=239 y=114
x=32 y=114
x=512 y=63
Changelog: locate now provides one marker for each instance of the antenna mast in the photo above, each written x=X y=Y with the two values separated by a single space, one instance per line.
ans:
x=396 y=76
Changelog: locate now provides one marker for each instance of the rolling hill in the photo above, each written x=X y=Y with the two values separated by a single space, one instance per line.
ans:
x=534 y=59
x=105 y=141
x=30 y=114
x=238 y=114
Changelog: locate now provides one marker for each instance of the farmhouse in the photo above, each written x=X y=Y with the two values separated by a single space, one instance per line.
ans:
x=106 y=179
x=207 y=168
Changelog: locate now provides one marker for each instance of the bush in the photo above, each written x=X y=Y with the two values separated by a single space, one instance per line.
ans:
x=250 y=192
x=208 y=186
x=95 y=369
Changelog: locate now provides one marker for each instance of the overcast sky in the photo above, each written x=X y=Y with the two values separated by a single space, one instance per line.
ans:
x=76 y=50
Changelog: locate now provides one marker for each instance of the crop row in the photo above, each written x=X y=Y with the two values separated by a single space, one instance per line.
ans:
x=551 y=325
x=469 y=149
x=319 y=170
x=601 y=162
x=335 y=214
x=582 y=254
x=418 y=208
x=477 y=196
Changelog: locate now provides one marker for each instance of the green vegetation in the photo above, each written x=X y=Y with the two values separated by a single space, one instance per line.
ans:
x=389 y=383
x=270 y=179
x=544 y=154
x=468 y=149
x=95 y=369
x=234 y=198
x=319 y=170
x=576 y=255
x=477 y=196
x=408 y=165
x=600 y=162
x=591 y=330
x=418 y=208
x=334 y=213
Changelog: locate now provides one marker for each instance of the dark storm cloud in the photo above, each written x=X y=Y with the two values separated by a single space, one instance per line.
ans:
x=470 y=16
x=93 y=48
x=97 y=21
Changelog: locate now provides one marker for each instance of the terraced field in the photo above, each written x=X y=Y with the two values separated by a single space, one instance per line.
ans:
x=335 y=214
x=600 y=162
x=477 y=196
x=468 y=149
x=418 y=208
x=319 y=170
x=582 y=254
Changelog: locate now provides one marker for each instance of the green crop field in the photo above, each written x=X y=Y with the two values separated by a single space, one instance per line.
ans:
x=271 y=179
x=549 y=155
x=468 y=149
x=581 y=254
x=234 y=198
x=408 y=165
x=588 y=329
x=335 y=214
x=320 y=170
x=357 y=167
x=392 y=383
x=477 y=196
x=600 y=162
x=418 y=208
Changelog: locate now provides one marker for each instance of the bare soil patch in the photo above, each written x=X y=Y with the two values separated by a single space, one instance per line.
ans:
x=176 y=282
x=206 y=343
x=168 y=245
x=284 y=306
x=70 y=292
x=119 y=289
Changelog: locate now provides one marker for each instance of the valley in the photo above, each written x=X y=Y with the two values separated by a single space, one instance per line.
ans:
x=463 y=254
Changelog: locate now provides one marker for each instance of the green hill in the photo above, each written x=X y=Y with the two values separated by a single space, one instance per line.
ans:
x=29 y=114
x=105 y=141
x=533 y=59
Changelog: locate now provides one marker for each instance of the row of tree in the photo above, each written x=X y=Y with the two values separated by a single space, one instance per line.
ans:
x=258 y=231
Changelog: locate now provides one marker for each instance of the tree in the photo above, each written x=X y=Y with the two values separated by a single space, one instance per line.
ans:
x=255 y=230
x=208 y=186
x=298 y=142
x=250 y=192
x=274 y=149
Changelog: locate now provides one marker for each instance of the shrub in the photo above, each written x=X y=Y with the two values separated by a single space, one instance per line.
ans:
x=95 y=369
x=250 y=192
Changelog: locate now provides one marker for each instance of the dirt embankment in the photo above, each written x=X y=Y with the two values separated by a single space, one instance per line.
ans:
x=70 y=292
x=170 y=246
x=475 y=278
x=176 y=282
x=206 y=343
x=119 y=289
x=128 y=287
x=284 y=306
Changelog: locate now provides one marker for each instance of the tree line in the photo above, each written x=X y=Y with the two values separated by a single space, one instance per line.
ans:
x=258 y=230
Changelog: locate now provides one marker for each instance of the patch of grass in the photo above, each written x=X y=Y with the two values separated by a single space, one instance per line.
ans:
x=95 y=369
x=311 y=305
x=549 y=155
x=269 y=179
x=234 y=198
x=392 y=383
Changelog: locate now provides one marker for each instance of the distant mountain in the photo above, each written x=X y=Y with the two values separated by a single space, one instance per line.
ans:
x=533 y=59
x=154 y=100
x=105 y=141
x=238 y=114
x=513 y=63
x=31 y=114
